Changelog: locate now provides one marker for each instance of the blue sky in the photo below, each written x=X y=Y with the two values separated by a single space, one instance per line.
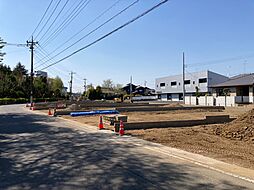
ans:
x=214 y=34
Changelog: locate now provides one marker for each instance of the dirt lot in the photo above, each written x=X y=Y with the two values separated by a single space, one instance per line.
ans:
x=232 y=143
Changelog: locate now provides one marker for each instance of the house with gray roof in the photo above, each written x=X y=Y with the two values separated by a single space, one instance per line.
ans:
x=238 y=86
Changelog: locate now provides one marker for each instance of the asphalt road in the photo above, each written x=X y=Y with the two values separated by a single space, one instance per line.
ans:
x=41 y=152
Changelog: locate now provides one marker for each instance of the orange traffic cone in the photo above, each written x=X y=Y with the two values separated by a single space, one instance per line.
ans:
x=32 y=106
x=49 y=112
x=121 y=130
x=101 y=123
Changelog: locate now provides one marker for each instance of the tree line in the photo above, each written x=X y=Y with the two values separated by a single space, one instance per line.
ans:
x=16 y=83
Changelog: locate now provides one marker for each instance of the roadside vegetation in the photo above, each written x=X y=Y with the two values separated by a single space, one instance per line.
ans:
x=15 y=84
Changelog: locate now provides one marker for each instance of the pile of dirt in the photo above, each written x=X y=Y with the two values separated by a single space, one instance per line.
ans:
x=240 y=129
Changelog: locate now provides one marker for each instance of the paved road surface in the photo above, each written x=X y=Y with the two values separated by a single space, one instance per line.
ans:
x=41 y=152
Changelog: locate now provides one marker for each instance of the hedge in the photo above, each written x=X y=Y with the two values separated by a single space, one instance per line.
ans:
x=5 y=101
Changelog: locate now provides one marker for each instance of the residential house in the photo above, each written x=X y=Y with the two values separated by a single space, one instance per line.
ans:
x=240 y=86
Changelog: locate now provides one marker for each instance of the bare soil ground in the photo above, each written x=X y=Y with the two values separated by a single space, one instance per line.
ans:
x=232 y=142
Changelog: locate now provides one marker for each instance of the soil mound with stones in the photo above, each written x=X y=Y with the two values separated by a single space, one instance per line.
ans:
x=241 y=128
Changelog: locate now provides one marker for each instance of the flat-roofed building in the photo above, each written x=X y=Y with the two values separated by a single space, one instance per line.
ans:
x=170 y=88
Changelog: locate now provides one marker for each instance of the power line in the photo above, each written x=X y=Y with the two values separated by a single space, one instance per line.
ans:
x=98 y=17
x=67 y=16
x=42 y=18
x=46 y=54
x=221 y=60
x=43 y=52
x=94 y=30
x=48 y=18
x=55 y=19
x=108 y=34
x=12 y=44
x=61 y=72
x=77 y=10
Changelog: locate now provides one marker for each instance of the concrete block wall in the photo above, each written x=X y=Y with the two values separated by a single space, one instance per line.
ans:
x=251 y=99
x=188 y=100
x=220 y=101
x=210 y=101
x=202 y=101
x=194 y=100
x=230 y=101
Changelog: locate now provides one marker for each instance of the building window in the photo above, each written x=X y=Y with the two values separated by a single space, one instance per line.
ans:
x=179 y=83
x=193 y=82
x=169 y=96
x=162 y=84
x=173 y=83
x=203 y=80
x=187 y=82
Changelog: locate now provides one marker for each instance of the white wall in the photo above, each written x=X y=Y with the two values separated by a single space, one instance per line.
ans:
x=193 y=100
x=228 y=101
x=212 y=78
x=178 y=88
x=225 y=101
x=202 y=100
x=175 y=97
x=187 y=100
x=210 y=101
x=164 y=97
x=220 y=101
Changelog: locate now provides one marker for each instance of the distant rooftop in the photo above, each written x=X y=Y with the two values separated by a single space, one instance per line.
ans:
x=238 y=80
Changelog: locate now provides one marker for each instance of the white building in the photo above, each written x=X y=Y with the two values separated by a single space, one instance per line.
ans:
x=171 y=88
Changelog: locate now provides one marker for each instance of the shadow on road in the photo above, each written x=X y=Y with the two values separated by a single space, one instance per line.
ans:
x=35 y=155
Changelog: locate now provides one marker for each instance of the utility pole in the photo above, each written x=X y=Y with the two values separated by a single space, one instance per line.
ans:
x=31 y=45
x=183 y=78
x=85 y=85
x=131 y=89
x=71 y=82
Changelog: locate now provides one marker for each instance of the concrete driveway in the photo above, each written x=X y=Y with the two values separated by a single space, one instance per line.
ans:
x=41 y=152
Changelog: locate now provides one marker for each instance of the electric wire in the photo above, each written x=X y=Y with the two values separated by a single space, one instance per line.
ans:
x=91 y=32
x=90 y=23
x=68 y=16
x=54 y=20
x=66 y=22
x=48 y=19
x=38 y=55
x=44 y=51
x=221 y=60
x=41 y=18
x=109 y=34
x=63 y=71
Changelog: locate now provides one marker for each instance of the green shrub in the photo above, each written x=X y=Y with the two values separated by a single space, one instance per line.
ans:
x=5 y=101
